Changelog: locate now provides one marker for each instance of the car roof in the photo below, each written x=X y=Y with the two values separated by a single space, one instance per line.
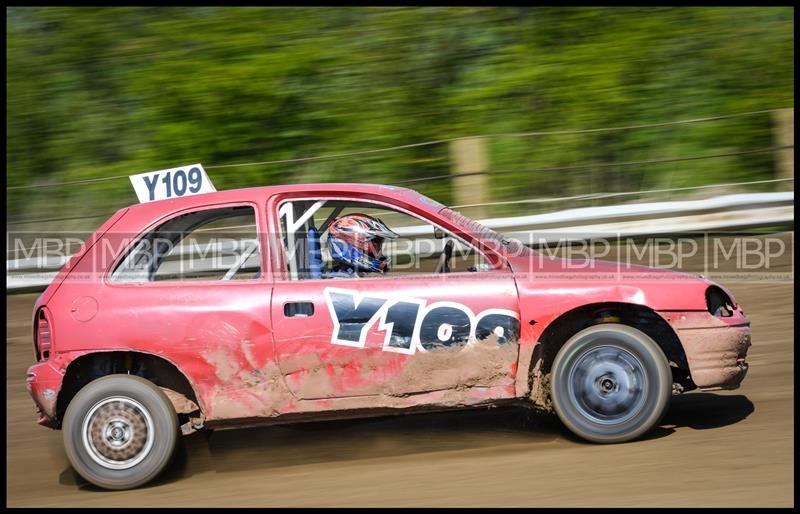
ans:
x=250 y=194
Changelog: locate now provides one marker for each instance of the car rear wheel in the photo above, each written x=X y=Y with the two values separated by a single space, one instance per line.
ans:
x=120 y=431
x=610 y=383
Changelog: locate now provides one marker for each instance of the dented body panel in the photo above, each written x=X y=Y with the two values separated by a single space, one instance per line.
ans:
x=371 y=344
x=373 y=364
x=43 y=382
x=716 y=347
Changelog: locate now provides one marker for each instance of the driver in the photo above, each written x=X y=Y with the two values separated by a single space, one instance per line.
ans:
x=355 y=242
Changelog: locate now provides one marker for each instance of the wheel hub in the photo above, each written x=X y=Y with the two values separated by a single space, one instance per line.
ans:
x=117 y=432
x=608 y=384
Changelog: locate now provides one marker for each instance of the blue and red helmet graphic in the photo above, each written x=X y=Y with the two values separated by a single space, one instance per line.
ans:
x=356 y=240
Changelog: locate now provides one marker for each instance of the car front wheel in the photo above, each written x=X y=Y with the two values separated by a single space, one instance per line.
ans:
x=610 y=383
x=120 y=431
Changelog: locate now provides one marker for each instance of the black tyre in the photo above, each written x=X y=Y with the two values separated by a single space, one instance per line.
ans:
x=120 y=431
x=610 y=383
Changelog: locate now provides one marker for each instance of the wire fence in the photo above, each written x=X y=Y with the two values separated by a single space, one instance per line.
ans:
x=594 y=165
x=436 y=142
x=495 y=172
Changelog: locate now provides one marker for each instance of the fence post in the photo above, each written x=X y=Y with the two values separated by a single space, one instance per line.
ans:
x=469 y=155
x=783 y=131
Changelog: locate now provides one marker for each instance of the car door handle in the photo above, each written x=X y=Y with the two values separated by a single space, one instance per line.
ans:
x=298 y=309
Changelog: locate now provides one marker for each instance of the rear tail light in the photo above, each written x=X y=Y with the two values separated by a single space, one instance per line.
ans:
x=44 y=338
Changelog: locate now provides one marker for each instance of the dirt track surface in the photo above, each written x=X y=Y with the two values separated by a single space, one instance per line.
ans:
x=712 y=449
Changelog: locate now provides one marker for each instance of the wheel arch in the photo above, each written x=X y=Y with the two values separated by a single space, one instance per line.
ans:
x=641 y=317
x=155 y=368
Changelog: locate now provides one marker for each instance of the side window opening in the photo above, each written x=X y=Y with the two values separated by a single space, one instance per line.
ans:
x=213 y=244
x=416 y=246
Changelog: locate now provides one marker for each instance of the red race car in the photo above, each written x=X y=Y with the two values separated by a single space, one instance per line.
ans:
x=304 y=302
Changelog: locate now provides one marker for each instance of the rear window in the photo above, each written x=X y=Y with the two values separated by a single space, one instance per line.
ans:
x=213 y=244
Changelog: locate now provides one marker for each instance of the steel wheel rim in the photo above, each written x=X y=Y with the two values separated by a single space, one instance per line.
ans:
x=608 y=385
x=117 y=432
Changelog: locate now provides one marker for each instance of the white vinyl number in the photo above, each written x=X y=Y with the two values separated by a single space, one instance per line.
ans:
x=171 y=183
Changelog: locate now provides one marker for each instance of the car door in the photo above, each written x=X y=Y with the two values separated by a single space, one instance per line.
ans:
x=391 y=335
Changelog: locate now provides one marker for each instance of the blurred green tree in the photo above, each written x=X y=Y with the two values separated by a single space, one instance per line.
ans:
x=95 y=92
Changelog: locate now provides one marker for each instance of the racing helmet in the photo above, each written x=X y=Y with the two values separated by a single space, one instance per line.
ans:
x=356 y=240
